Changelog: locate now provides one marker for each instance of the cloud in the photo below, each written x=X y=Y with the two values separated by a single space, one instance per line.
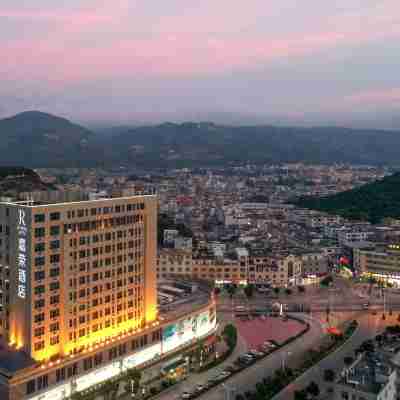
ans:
x=52 y=46
x=375 y=97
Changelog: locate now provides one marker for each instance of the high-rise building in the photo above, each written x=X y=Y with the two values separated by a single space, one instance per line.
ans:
x=75 y=273
x=78 y=297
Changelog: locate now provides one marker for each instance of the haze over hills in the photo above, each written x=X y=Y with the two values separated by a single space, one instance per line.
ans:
x=36 y=139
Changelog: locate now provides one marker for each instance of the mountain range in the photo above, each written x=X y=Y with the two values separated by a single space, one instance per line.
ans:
x=36 y=139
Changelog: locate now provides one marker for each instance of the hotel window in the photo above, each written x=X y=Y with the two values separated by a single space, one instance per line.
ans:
x=73 y=370
x=40 y=247
x=112 y=353
x=98 y=359
x=39 y=303
x=54 y=313
x=55 y=299
x=54 y=272
x=55 y=216
x=54 y=286
x=55 y=244
x=39 y=317
x=39 y=331
x=54 y=327
x=30 y=386
x=39 y=346
x=54 y=230
x=39 y=261
x=39 y=275
x=39 y=289
x=60 y=374
x=54 y=340
x=39 y=218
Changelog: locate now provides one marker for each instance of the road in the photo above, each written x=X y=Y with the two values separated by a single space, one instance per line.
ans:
x=368 y=328
x=292 y=353
x=341 y=297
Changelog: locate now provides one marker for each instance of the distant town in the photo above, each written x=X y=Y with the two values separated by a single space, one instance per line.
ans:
x=120 y=283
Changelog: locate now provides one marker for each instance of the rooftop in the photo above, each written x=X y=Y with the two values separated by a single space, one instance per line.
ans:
x=368 y=374
x=57 y=201
x=12 y=360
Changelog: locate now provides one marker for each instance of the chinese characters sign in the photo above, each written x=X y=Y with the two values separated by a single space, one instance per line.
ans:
x=21 y=253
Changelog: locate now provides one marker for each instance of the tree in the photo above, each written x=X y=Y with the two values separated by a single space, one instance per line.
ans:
x=300 y=395
x=348 y=361
x=329 y=375
x=301 y=289
x=276 y=290
x=313 y=389
x=232 y=289
x=110 y=389
x=249 y=291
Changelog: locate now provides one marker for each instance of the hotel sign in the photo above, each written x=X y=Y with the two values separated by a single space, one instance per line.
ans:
x=21 y=253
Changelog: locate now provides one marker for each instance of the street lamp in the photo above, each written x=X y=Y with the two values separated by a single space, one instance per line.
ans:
x=229 y=391
x=284 y=354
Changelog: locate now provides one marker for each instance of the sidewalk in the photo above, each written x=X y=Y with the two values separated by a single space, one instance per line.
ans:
x=195 y=379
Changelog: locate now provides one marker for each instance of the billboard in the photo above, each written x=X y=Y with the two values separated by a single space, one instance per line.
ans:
x=140 y=357
x=188 y=329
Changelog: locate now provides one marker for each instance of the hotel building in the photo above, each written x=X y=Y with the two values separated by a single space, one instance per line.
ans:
x=381 y=262
x=78 y=300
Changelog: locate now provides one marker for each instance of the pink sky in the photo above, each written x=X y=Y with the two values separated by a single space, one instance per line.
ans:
x=48 y=49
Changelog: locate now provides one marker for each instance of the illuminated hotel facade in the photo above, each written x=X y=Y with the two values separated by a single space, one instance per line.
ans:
x=78 y=300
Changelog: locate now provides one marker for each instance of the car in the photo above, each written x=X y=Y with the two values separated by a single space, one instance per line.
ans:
x=186 y=395
x=200 y=388
x=213 y=379
x=230 y=368
x=245 y=360
x=256 y=353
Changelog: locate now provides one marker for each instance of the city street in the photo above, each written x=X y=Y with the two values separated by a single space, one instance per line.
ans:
x=290 y=354
x=342 y=296
x=368 y=328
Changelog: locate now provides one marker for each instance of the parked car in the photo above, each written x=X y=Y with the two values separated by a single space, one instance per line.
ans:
x=200 y=388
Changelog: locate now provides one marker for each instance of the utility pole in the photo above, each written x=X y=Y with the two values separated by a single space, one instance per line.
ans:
x=229 y=391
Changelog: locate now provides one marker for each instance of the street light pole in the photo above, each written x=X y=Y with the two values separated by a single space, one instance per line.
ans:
x=229 y=391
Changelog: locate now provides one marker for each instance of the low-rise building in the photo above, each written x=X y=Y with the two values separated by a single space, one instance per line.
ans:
x=368 y=378
x=281 y=270
x=382 y=262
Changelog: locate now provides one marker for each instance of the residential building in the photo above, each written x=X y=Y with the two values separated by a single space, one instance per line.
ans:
x=368 y=378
